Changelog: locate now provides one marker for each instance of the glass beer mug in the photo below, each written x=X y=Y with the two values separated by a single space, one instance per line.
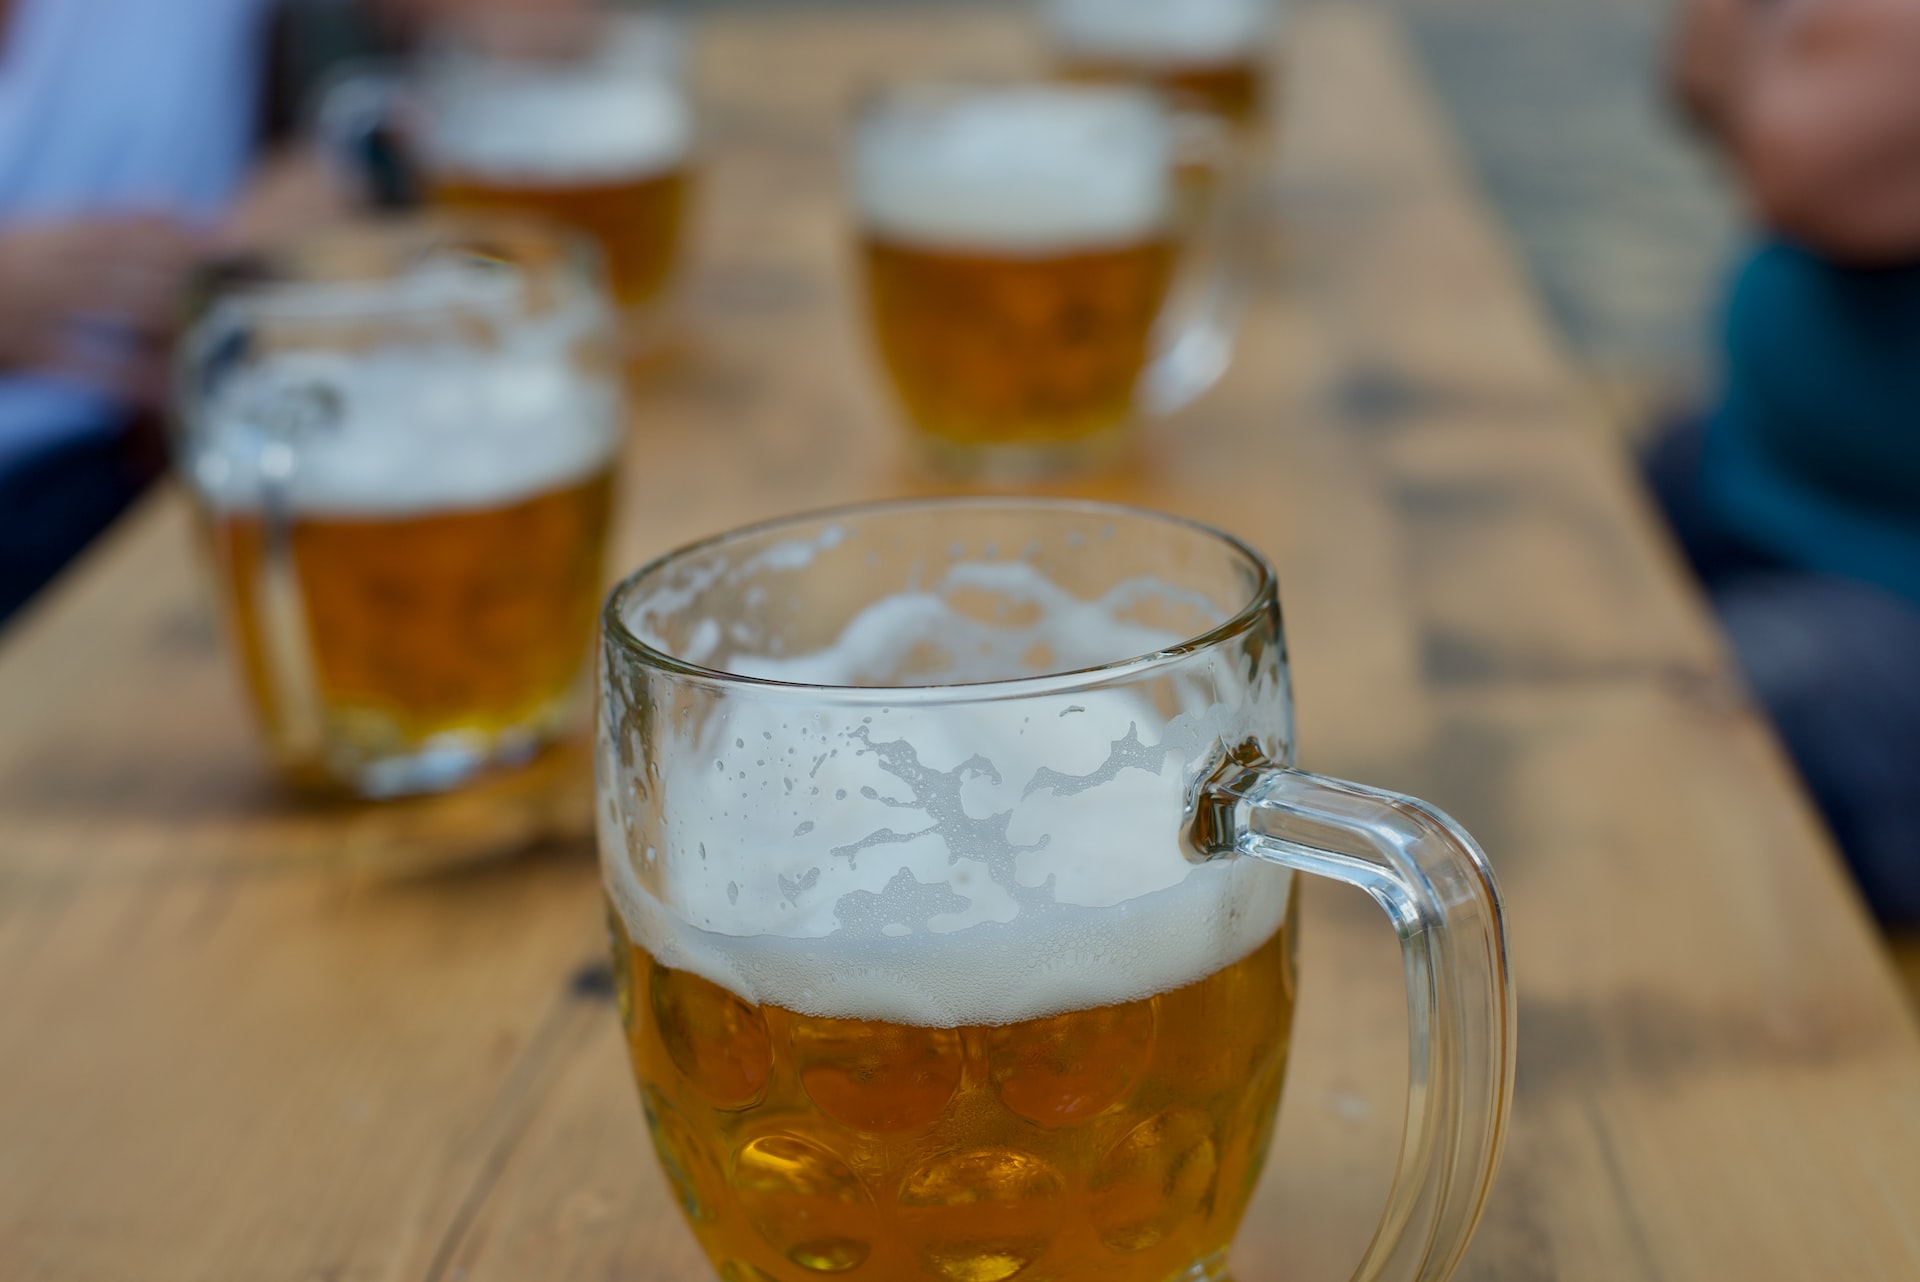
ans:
x=1033 y=273
x=951 y=851
x=401 y=441
x=580 y=117
x=1213 y=56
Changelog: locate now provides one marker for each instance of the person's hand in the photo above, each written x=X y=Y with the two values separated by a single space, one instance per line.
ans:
x=93 y=298
x=292 y=192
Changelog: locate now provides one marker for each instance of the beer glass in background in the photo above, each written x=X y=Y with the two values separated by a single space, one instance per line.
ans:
x=1027 y=276
x=1211 y=56
x=951 y=851
x=401 y=443
x=581 y=117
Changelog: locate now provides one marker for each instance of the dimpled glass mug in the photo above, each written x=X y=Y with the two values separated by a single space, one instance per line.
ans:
x=950 y=848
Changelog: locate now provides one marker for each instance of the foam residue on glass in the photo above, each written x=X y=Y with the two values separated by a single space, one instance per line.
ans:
x=1027 y=170
x=951 y=862
x=924 y=631
x=478 y=404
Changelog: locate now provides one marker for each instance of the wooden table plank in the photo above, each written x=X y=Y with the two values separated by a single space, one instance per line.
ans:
x=248 y=1040
x=1906 y=957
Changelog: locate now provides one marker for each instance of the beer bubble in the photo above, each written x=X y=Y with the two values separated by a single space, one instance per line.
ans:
x=985 y=1176
x=1157 y=1176
x=981 y=1261
x=718 y=1041
x=876 y=1077
x=1074 y=1066
x=804 y=1201
x=989 y=1210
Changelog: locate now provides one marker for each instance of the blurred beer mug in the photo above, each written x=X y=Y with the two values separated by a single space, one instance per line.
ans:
x=401 y=442
x=1027 y=272
x=951 y=853
x=579 y=116
x=1212 y=56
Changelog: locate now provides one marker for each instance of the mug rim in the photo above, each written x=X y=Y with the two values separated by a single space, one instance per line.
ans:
x=268 y=284
x=616 y=635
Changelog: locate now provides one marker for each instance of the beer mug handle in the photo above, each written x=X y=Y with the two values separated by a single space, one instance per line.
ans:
x=1193 y=336
x=355 y=109
x=1436 y=887
x=278 y=417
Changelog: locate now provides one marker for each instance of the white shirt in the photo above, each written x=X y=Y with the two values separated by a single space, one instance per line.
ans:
x=118 y=106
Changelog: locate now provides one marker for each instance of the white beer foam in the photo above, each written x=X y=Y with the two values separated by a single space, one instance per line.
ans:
x=552 y=127
x=1027 y=170
x=1040 y=964
x=966 y=863
x=440 y=423
x=1161 y=31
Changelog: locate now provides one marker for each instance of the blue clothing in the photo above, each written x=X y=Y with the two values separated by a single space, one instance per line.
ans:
x=54 y=503
x=1836 y=663
x=1814 y=456
x=1798 y=505
x=106 y=107
x=117 y=106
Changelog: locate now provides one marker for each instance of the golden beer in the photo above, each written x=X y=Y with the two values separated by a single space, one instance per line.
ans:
x=1207 y=56
x=1119 y=1143
x=1236 y=90
x=637 y=220
x=425 y=625
x=987 y=348
x=1019 y=247
x=400 y=438
x=578 y=118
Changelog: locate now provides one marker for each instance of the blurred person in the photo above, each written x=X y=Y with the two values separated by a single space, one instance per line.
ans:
x=126 y=133
x=131 y=147
x=1798 y=499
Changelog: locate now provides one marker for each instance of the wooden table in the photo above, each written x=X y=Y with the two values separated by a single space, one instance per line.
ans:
x=242 y=1040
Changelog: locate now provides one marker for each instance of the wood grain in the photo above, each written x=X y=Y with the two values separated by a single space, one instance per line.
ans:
x=244 y=1039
